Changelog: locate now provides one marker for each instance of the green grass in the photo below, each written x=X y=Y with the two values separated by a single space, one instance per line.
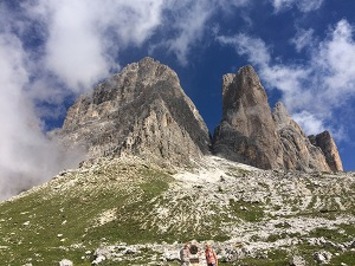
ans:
x=349 y=230
x=347 y=257
x=274 y=258
x=247 y=211
x=36 y=223
x=56 y=223
x=60 y=222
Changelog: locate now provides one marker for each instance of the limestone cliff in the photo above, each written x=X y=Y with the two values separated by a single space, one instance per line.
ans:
x=298 y=152
x=247 y=132
x=250 y=133
x=143 y=111
x=140 y=111
x=326 y=142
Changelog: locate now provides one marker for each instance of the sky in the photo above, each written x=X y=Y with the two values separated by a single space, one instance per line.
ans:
x=52 y=51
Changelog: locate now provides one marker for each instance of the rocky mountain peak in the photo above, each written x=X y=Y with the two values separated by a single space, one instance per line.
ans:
x=140 y=111
x=243 y=89
x=298 y=152
x=144 y=111
x=250 y=133
x=247 y=132
x=326 y=142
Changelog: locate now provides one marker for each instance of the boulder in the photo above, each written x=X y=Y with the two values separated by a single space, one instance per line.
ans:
x=297 y=261
x=322 y=257
x=65 y=262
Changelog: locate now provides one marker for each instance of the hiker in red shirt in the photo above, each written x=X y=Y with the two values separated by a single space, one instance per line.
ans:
x=211 y=256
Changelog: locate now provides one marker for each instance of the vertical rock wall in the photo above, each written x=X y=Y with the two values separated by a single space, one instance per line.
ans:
x=250 y=133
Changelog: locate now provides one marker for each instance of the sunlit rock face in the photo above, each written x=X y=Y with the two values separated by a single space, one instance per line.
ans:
x=143 y=111
x=140 y=111
x=247 y=132
x=251 y=133
x=298 y=152
x=326 y=142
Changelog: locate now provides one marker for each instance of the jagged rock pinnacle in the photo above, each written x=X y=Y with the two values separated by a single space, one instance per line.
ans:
x=247 y=132
x=298 y=152
x=326 y=142
x=250 y=133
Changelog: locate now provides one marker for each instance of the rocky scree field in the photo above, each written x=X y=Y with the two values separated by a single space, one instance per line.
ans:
x=126 y=211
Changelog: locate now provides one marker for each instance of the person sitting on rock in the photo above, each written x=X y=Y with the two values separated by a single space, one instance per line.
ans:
x=211 y=256
x=185 y=255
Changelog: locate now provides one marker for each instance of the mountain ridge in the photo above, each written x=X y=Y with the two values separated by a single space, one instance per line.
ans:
x=133 y=208
x=144 y=111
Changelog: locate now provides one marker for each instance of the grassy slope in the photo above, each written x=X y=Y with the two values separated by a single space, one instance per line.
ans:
x=58 y=221
x=119 y=202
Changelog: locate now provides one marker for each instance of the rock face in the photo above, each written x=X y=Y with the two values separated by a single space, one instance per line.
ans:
x=325 y=141
x=247 y=132
x=143 y=111
x=140 y=111
x=298 y=152
x=250 y=133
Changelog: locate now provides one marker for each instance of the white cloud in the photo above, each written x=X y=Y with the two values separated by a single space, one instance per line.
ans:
x=228 y=6
x=309 y=123
x=74 y=51
x=280 y=4
x=27 y=157
x=255 y=49
x=84 y=37
x=336 y=57
x=314 y=90
x=189 y=21
x=304 y=38
x=309 y=5
x=302 y=5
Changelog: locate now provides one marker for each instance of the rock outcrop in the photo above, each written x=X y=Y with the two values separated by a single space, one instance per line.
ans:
x=247 y=132
x=250 y=133
x=143 y=111
x=326 y=142
x=140 y=111
x=298 y=152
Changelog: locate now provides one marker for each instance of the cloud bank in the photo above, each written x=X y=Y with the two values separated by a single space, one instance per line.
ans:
x=27 y=156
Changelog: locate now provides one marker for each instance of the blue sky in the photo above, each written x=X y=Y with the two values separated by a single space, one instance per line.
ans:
x=52 y=51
